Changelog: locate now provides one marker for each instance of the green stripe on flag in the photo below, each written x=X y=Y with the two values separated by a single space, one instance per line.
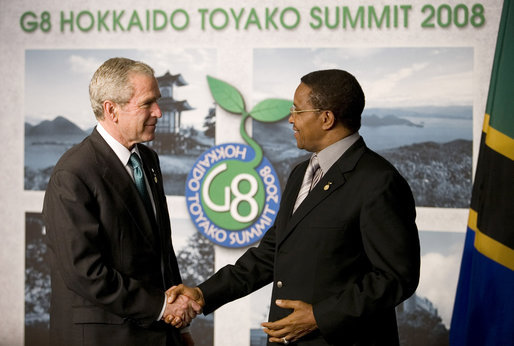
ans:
x=500 y=100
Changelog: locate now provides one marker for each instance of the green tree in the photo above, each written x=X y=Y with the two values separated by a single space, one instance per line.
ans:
x=196 y=263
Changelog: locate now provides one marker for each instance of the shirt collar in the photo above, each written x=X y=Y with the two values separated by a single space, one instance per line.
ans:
x=118 y=148
x=328 y=156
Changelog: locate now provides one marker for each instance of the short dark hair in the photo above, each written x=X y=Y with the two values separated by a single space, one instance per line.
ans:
x=339 y=92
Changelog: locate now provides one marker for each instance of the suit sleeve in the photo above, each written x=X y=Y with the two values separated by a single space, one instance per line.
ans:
x=75 y=235
x=390 y=241
x=253 y=270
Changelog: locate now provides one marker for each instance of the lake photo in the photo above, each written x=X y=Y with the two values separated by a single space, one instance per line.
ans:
x=60 y=116
x=418 y=114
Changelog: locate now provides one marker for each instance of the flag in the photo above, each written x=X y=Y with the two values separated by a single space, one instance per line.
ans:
x=483 y=312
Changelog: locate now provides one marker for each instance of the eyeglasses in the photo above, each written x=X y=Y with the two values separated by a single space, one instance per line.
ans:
x=293 y=110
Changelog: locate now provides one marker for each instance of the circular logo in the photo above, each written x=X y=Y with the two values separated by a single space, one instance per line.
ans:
x=230 y=202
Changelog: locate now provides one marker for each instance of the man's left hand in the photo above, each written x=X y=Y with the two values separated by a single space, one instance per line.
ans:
x=294 y=326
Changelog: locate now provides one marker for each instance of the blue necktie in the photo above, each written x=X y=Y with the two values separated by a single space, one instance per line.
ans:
x=139 y=179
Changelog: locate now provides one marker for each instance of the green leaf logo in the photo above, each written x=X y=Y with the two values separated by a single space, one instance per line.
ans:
x=271 y=110
x=231 y=100
x=226 y=96
x=233 y=192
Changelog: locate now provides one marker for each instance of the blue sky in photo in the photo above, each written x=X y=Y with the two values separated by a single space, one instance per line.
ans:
x=57 y=81
x=390 y=77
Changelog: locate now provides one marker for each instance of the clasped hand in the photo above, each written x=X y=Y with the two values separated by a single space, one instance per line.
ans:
x=294 y=326
x=183 y=303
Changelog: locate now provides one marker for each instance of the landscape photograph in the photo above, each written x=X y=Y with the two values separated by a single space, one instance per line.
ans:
x=195 y=255
x=60 y=116
x=418 y=113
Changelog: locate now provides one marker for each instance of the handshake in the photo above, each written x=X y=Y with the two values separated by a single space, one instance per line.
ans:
x=183 y=303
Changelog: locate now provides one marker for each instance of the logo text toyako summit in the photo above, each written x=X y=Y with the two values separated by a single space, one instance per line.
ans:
x=232 y=191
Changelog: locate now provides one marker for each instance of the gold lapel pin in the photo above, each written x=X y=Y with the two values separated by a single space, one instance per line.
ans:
x=326 y=187
x=154 y=176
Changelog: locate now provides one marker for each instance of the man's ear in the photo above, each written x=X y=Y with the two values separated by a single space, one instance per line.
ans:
x=328 y=119
x=110 y=112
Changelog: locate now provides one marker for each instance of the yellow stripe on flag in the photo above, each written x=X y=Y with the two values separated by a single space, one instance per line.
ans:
x=497 y=140
x=489 y=247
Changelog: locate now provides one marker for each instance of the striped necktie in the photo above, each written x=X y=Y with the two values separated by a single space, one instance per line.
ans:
x=312 y=176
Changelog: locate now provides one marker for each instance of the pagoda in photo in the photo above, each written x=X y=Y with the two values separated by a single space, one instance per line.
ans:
x=167 y=133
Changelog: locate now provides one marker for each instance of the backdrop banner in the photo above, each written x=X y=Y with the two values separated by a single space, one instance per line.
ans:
x=227 y=71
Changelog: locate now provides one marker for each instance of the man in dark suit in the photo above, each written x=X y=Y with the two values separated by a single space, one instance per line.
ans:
x=342 y=257
x=110 y=243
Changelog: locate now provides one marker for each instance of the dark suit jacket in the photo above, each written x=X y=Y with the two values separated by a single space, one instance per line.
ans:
x=111 y=261
x=351 y=250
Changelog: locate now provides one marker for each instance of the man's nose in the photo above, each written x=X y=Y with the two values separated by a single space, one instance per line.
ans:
x=156 y=111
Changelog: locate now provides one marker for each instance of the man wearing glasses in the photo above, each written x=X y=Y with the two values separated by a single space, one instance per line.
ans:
x=344 y=249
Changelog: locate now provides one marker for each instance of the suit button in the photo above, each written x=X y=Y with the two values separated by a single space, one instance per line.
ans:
x=279 y=284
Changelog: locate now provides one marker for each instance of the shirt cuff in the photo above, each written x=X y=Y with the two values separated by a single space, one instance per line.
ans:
x=163 y=308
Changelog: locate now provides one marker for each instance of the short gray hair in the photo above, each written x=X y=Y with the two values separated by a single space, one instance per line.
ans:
x=111 y=82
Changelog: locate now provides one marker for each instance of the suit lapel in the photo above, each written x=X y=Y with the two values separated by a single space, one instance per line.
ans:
x=115 y=174
x=329 y=183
